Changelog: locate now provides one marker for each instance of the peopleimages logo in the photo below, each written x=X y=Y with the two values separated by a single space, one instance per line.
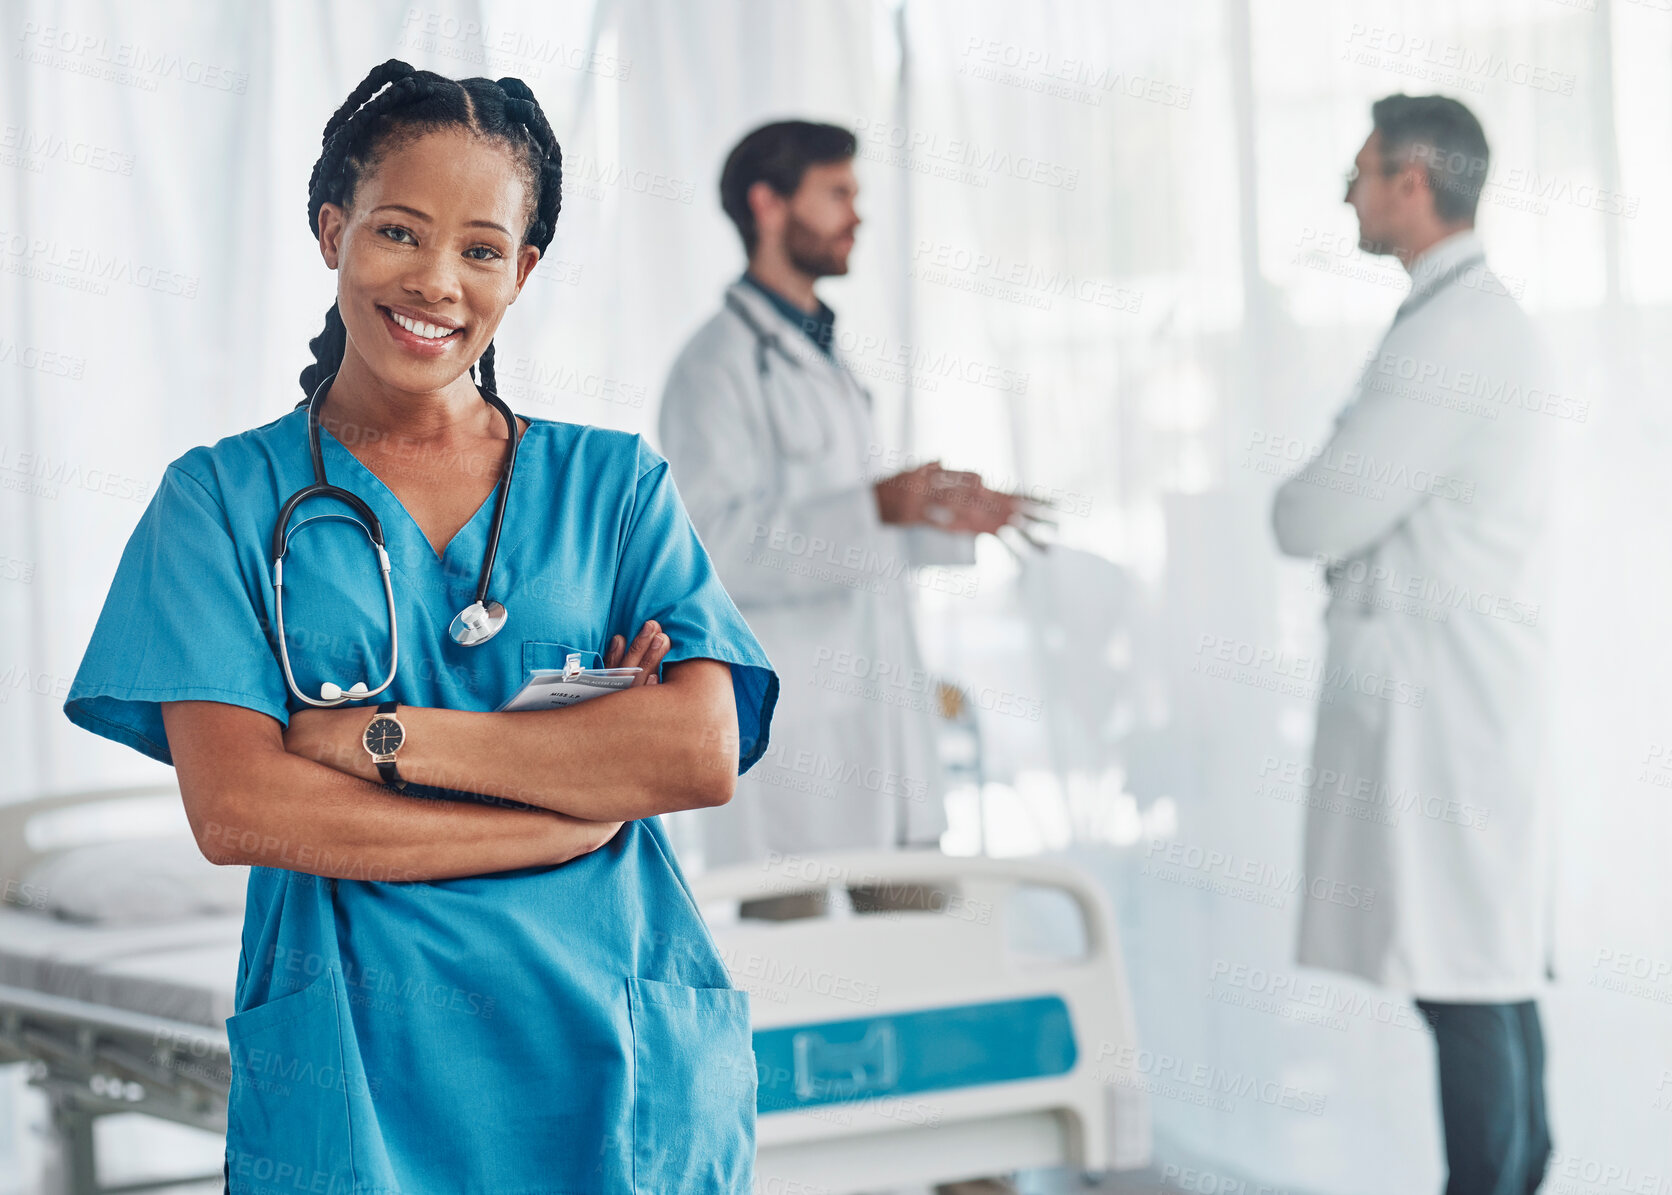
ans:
x=129 y=63
x=1438 y=382
x=853 y=566
x=1232 y=868
x=1348 y=470
x=1359 y=796
x=52 y=473
x=1223 y=658
x=961 y=159
x=1215 y=1086
x=1360 y=581
x=1015 y=279
x=85 y=268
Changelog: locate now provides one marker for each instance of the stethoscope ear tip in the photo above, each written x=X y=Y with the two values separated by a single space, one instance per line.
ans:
x=330 y=691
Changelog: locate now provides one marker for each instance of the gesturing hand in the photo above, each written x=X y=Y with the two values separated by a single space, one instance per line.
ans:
x=950 y=499
x=646 y=652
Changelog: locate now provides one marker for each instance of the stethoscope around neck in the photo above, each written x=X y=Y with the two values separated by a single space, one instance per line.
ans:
x=766 y=342
x=474 y=625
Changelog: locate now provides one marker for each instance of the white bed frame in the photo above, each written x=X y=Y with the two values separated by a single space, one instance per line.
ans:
x=92 y=1060
x=871 y=965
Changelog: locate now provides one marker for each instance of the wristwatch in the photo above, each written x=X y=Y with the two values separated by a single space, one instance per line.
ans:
x=383 y=737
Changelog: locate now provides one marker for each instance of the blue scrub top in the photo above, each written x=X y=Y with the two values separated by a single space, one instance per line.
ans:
x=537 y=1031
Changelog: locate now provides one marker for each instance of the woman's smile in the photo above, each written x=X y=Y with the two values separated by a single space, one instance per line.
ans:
x=423 y=337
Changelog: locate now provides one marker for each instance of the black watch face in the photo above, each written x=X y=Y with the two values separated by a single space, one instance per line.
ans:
x=383 y=736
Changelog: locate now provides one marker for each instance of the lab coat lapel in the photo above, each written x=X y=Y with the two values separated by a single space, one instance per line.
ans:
x=793 y=342
x=847 y=400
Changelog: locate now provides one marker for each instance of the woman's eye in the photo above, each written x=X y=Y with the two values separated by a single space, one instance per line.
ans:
x=396 y=233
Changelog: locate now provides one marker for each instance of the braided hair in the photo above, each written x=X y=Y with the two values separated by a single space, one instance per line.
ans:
x=393 y=106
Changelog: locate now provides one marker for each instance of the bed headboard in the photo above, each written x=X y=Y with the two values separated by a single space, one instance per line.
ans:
x=35 y=829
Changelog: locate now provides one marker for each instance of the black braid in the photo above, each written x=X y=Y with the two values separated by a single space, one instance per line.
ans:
x=395 y=102
x=521 y=106
x=489 y=382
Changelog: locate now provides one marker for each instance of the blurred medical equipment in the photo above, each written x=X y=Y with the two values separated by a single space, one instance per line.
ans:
x=958 y=744
x=913 y=1046
x=476 y=623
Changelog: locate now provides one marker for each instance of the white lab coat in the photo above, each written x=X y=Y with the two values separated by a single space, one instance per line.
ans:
x=776 y=470
x=1426 y=794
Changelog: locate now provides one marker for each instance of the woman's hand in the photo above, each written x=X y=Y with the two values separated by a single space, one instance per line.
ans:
x=646 y=652
x=573 y=837
x=335 y=737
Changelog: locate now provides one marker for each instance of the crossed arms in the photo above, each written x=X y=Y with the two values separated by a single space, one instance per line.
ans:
x=308 y=798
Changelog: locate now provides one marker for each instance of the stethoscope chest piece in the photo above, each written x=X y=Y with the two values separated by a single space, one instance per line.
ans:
x=477 y=623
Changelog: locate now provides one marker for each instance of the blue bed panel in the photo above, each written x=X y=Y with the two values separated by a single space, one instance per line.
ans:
x=932 y=1049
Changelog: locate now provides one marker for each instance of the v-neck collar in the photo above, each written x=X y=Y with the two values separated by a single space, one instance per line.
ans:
x=385 y=498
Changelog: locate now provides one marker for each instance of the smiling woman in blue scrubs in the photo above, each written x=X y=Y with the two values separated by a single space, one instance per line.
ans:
x=501 y=985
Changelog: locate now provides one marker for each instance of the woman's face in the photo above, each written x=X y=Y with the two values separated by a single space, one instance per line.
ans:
x=432 y=245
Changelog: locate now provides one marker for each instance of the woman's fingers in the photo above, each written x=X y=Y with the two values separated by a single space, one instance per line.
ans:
x=646 y=651
x=653 y=658
x=641 y=647
x=641 y=644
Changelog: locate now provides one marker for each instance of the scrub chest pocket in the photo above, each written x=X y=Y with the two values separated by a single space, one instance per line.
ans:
x=693 y=1090
x=538 y=654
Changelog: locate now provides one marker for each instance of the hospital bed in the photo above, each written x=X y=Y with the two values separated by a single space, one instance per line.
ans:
x=125 y=1012
x=916 y=1045
x=934 y=1042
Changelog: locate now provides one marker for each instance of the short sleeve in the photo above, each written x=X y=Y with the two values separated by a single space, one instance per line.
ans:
x=179 y=624
x=665 y=573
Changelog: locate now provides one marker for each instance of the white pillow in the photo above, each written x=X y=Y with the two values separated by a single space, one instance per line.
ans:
x=135 y=882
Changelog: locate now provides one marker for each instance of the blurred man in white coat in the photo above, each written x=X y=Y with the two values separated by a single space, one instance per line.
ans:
x=1427 y=508
x=771 y=441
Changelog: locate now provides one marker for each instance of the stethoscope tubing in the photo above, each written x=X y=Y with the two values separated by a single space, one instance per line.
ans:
x=767 y=341
x=322 y=487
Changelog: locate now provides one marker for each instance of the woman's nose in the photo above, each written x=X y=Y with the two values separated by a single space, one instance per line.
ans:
x=433 y=277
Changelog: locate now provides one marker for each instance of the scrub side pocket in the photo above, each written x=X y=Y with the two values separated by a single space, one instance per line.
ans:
x=287 y=1113
x=693 y=1090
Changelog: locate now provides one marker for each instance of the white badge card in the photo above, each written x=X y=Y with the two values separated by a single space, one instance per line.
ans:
x=552 y=688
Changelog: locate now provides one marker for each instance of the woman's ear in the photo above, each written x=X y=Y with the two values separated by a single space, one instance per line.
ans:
x=332 y=220
x=527 y=255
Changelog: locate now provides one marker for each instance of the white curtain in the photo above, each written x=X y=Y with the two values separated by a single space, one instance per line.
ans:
x=1103 y=252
